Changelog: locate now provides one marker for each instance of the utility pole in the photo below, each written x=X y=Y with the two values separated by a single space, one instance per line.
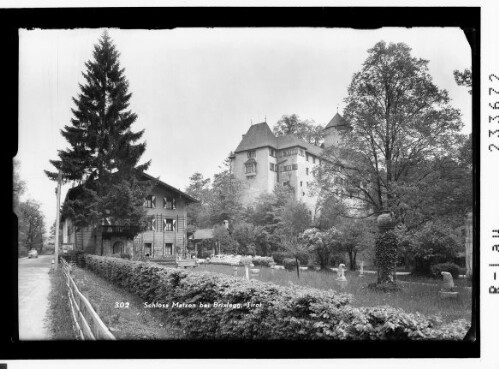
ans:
x=58 y=192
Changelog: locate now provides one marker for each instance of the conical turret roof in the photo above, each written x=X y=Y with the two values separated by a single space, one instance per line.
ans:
x=337 y=121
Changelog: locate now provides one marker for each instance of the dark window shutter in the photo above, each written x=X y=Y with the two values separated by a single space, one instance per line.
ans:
x=164 y=202
x=174 y=203
x=154 y=201
x=153 y=224
x=174 y=225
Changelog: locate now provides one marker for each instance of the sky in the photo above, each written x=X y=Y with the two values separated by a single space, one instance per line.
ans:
x=196 y=91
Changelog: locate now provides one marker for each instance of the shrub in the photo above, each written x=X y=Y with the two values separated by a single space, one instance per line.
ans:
x=337 y=260
x=303 y=256
x=262 y=260
x=453 y=269
x=74 y=256
x=289 y=263
x=278 y=312
x=279 y=256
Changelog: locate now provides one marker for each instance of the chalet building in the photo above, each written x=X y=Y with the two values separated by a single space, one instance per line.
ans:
x=164 y=237
x=262 y=160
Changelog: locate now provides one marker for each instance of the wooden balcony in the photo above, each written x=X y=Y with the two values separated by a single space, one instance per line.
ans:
x=130 y=231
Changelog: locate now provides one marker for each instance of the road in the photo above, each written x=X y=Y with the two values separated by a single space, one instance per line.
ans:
x=33 y=292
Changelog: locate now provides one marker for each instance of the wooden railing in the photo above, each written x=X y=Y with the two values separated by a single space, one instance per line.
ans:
x=120 y=230
x=88 y=325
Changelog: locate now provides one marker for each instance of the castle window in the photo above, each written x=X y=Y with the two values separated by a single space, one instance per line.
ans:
x=272 y=152
x=272 y=167
x=306 y=171
x=295 y=166
x=303 y=193
x=251 y=154
x=250 y=168
x=301 y=183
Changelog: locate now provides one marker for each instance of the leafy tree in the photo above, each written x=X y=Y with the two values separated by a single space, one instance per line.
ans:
x=323 y=245
x=288 y=124
x=332 y=210
x=463 y=78
x=197 y=213
x=103 y=153
x=295 y=217
x=436 y=189
x=224 y=202
x=433 y=243
x=293 y=246
x=31 y=225
x=224 y=242
x=305 y=130
x=19 y=186
x=400 y=120
x=356 y=236
x=247 y=236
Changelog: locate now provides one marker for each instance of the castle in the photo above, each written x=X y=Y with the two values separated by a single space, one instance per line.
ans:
x=262 y=160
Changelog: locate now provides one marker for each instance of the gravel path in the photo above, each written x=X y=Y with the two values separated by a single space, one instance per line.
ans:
x=33 y=292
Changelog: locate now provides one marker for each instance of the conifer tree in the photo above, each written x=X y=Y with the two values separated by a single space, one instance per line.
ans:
x=104 y=153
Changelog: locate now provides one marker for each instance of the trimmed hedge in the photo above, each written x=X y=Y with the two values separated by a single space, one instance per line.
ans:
x=262 y=260
x=283 y=312
x=289 y=263
x=279 y=257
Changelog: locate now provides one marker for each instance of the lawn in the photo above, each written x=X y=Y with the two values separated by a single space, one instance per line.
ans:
x=121 y=311
x=415 y=297
x=61 y=326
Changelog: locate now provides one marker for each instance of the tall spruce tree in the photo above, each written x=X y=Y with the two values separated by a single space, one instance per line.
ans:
x=104 y=154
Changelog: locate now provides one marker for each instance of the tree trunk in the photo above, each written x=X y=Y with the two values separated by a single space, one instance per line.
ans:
x=351 y=259
x=297 y=267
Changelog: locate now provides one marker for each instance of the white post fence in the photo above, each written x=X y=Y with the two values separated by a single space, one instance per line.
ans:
x=87 y=323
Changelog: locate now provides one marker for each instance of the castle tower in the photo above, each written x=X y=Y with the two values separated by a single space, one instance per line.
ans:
x=334 y=129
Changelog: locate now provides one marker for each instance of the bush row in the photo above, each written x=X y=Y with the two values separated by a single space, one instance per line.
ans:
x=262 y=260
x=279 y=257
x=279 y=312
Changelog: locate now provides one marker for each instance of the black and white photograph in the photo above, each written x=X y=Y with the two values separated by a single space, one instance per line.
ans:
x=244 y=184
x=239 y=187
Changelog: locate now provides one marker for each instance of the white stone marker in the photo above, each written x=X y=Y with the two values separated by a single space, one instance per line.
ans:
x=254 y=273
x=361 y=269
x=341 y=273
x=448 y=288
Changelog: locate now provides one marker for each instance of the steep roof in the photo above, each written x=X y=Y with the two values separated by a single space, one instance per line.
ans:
x=337 y=121
x=291 y=141
x=259 y=135
x=74 y=192
x=189 y=198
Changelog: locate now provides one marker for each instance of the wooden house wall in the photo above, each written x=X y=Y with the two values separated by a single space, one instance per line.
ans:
x=159 y=237
x=90 y=240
